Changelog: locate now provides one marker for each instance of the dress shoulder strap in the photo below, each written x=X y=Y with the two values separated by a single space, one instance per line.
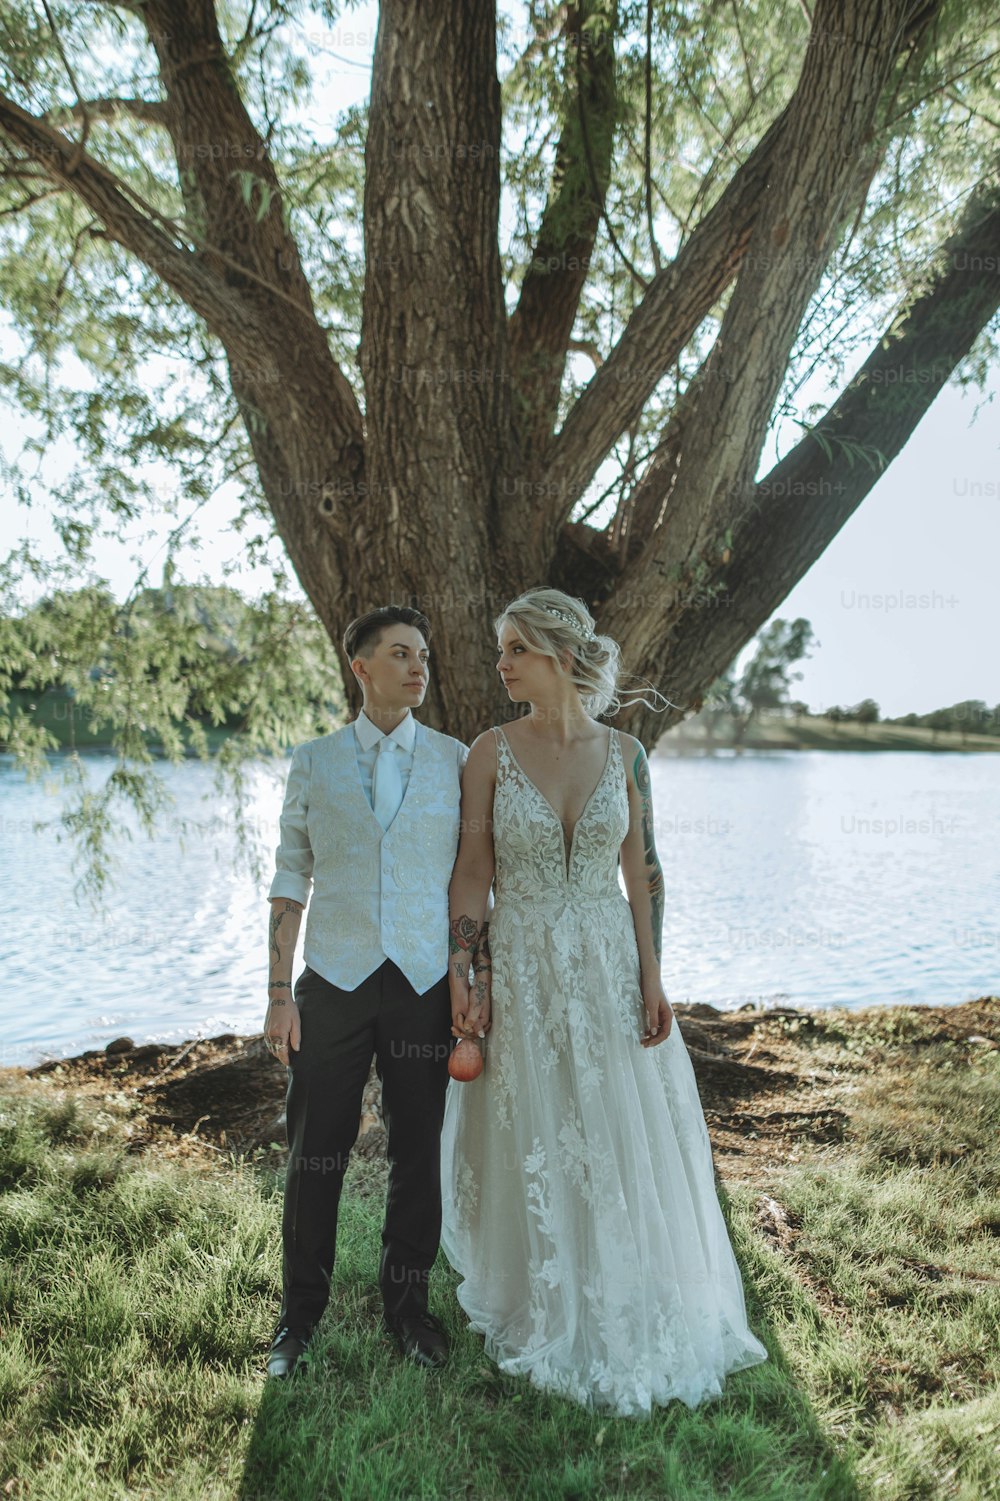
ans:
x=502 y=749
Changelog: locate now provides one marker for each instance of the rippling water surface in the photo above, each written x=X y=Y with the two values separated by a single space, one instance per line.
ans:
x=807 y=879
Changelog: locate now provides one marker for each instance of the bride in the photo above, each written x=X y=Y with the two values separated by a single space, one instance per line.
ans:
x=579 y=1200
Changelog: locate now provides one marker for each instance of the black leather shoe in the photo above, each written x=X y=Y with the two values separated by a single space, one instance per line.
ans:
x=420 y=1337
x=286 y=1348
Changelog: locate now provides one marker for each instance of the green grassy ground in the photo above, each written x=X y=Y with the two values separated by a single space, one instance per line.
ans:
x=137 y=1293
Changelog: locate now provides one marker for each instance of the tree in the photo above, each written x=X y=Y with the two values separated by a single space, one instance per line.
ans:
x=161 y=670
x=971 y=714
x=767 y=677
x=403 y=433
x=865 y=713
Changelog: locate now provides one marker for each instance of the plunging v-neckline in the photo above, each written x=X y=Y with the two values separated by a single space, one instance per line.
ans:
x=583 y=812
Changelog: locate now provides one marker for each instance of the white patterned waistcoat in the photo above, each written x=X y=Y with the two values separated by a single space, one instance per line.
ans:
x=376 y=894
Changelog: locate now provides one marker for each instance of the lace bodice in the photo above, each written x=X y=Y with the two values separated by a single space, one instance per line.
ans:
x=529 y=845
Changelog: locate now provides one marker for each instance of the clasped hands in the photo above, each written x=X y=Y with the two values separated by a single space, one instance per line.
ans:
x=471 y=1002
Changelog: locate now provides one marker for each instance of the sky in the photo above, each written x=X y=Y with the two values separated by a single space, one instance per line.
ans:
x=902 y=602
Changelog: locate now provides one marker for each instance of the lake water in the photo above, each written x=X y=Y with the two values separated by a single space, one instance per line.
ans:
x=844 y=878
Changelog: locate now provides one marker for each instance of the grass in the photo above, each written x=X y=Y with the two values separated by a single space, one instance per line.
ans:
x=137 y=1294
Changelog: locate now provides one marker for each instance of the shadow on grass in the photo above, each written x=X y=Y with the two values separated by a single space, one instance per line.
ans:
x=360 y=1424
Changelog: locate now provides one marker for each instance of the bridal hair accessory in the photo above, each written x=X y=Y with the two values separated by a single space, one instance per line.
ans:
x=578 y=626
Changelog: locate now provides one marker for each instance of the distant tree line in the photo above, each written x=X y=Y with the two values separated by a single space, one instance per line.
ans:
x=763 y=686
x=970 y=717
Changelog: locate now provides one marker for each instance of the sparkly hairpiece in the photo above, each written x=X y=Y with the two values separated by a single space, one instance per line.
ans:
x=578 y=627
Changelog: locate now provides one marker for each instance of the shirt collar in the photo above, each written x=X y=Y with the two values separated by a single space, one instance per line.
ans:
x=369 y=734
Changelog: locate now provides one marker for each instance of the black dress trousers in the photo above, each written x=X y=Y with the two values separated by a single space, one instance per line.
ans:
x=409 y=1036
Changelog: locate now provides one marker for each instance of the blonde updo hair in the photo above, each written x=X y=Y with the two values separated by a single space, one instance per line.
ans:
x=553 y=623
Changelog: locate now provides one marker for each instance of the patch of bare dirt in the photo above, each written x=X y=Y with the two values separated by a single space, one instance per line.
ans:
x=773 y=1082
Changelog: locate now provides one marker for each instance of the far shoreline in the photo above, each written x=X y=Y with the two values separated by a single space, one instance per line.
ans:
x=804 y=732
x=767 y=732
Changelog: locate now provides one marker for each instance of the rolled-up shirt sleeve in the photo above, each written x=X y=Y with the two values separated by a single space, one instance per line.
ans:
x=294 y=855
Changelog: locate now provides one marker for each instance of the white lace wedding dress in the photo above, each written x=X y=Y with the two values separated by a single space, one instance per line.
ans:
x=579 y=1200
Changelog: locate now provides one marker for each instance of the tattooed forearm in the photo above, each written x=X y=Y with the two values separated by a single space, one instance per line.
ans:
x=482 y=967
x=463 y=935
x=654 y=870
x=466 y=940
x=481 y=989
x=282 y=933
x=277 y=915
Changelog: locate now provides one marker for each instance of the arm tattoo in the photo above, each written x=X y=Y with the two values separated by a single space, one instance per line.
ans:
x=656 y=911
x=468 y=943
x=654 y=870
x=462 y=935
x=273 y=926
x=482 y=959
x=482 y=966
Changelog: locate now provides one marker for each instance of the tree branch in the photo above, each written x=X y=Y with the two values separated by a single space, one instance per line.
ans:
x=541 y=324
x=589 y=347
x=150 y=111
x=786 y=520
x=128 y=219
x=683 y=294
x=677 y=301
x=647 y=136
x=800 y=216
x=232 y=183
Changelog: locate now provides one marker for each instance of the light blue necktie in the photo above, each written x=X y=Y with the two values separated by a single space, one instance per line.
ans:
x=387 y=784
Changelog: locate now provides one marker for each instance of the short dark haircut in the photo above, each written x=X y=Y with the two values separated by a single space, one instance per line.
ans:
x=364 y=634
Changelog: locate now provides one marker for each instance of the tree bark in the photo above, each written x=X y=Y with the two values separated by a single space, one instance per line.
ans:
x=542 y=323
x=681 y=296
x=433 y=341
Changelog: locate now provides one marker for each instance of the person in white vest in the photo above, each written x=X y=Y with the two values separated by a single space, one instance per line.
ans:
x=369 y=825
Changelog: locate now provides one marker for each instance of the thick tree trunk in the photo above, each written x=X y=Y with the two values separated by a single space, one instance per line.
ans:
x=433 y=343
